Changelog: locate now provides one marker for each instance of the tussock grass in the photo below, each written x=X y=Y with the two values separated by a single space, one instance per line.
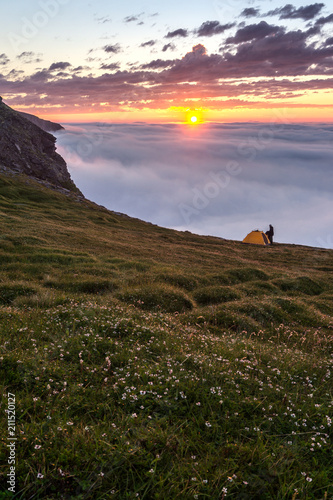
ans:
x=214 y=295
x=8 y=292
x=89 y=286
x=303 y=284
x=246 y=274
x=176 y=279
x=259 y=289
x=157 y=298
x=43 y=298
x=265 y=314
x=148 y=363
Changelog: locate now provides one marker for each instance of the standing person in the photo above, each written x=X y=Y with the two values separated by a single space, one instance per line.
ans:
x=270 y=234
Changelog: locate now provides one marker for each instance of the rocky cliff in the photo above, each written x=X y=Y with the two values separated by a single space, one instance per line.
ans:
x=27 y=149
x=45 y=125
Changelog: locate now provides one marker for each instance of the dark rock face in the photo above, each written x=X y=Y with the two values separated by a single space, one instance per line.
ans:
x=43 y=124
x=26 y=148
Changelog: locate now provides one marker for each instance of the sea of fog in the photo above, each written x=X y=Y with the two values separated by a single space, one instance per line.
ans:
x=215 y=179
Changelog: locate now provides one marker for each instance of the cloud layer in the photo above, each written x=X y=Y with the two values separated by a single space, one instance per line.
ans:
x=224 y=180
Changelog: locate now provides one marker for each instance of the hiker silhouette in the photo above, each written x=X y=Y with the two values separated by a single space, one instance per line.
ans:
x=270 y=234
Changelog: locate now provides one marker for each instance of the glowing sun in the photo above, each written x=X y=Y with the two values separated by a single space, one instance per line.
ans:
x=194 y=116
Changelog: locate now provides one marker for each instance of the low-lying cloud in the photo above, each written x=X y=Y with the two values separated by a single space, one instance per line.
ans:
x=218 y=179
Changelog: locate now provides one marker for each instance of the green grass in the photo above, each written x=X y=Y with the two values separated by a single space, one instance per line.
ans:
x=214 y=295
x=302 y=284
x=152 y=364
x=157 y=298
x=8 y=292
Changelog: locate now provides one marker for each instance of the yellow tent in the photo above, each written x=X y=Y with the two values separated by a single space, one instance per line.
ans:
x=256 y=238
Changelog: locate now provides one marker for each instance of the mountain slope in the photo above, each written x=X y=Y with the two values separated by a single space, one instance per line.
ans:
x=145 y=360
x=254 y=286
x=45 y=125
x=26 y=148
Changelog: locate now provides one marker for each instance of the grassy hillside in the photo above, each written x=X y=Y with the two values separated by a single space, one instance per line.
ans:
x=152 y=364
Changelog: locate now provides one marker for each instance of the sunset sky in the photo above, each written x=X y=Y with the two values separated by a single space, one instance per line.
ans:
x=151 y=61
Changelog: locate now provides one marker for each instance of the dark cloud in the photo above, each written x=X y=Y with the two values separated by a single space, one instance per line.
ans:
x=281 y=54
x=210 y=28
x=110 y=67
x=23 y=55
x=29 y=57
x=103 y=20
x=254 y=31
x=14 y=73
x=150 y=43
x=130 y=19
x=329 y=41
x=4 y=60
x=112 y=49
x=197 y=51
x=59 y=65
x=133 y=18
x=180 y=32
x=290 y=12
x=250 y=12
x=231 y=179
x=324 y=20
x=168 y=46
x=93 y=59
x=158 y=64
x=40 y=77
